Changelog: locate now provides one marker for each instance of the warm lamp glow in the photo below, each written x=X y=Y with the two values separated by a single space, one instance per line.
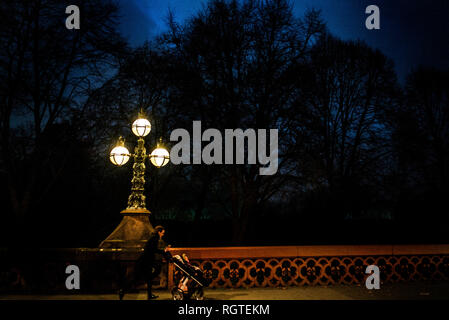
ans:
x=119 y=155
x=141 y=127
x=159 y=157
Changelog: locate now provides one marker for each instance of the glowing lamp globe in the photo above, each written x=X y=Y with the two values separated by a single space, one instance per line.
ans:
x=119 y=155
x=141 y=127
x=159 y=157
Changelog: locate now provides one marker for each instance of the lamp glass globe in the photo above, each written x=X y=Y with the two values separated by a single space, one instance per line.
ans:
x=159 y=157
x=119 y=156
x=141 y=127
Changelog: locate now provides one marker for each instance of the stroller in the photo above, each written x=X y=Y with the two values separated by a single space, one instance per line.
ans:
x=192 y=282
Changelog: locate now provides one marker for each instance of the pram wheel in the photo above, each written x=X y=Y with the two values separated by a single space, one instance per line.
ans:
x=198 y=294
x=177 y=294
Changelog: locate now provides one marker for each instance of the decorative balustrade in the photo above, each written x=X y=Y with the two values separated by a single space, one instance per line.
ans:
x=43 y=271
x=235 y=267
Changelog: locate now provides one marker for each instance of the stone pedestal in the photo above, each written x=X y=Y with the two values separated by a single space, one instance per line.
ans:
x=132 y=232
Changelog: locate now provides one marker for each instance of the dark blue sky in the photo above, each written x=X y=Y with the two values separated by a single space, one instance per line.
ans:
x=412 y=32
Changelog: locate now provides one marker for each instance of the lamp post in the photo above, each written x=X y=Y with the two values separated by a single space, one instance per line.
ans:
x=135 y=227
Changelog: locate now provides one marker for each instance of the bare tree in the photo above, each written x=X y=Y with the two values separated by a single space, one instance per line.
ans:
x=47 y=72
x=345 y=136
x=421 y=141
x=240 y=64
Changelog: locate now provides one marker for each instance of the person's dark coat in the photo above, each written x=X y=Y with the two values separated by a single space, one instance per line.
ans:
x=151 y=252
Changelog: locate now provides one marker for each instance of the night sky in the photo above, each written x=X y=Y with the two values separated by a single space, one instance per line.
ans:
x=412 y=32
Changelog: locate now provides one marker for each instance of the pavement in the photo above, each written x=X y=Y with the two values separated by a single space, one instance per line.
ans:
x=424 y=290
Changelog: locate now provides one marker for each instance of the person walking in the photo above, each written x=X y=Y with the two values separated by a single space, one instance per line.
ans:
x=149 y=264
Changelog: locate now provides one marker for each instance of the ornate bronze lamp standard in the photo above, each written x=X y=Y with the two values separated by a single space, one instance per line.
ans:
x=135 y=227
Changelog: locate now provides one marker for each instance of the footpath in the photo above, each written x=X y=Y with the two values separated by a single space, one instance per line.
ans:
x=423 y=290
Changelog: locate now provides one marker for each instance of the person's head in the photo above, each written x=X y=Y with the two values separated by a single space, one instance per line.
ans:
x=160 y=230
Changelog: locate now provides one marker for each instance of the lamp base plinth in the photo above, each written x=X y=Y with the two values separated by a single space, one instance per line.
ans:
x=132 y=233
x=135 y=211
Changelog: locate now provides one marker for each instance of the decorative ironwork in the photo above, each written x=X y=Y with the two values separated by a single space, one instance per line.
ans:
x=298 y=271
x=136 y=200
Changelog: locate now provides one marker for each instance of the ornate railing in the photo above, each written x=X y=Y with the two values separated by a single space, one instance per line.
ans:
x=235 y=267
x=43 y=271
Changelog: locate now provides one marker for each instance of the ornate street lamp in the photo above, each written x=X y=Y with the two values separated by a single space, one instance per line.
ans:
x=135 y=227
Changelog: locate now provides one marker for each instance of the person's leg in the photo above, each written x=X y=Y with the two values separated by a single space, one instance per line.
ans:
x=155 y=270
x=122 y=281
